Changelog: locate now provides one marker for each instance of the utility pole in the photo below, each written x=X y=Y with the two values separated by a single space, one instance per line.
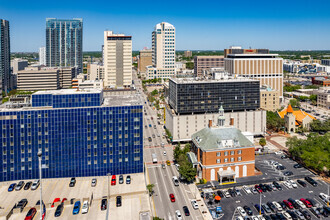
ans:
x=41 y=202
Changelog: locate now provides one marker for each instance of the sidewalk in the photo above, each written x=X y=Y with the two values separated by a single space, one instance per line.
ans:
x=202 y=206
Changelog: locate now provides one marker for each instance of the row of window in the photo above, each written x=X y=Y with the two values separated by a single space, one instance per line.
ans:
x=232 y=159
x=227 y=152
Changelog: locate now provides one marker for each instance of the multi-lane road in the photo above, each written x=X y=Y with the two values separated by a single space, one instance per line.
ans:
x=162 y=177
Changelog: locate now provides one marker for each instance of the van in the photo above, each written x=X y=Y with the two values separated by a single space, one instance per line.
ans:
x=175 y=181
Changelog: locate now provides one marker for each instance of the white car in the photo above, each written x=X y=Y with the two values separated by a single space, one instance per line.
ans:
x=273 y=187
x=85 y=208
x=261 y=217
x=300 y=203
x=227 y=195
x=241 y=211
x=247 y=190
x=325 y=197
x=178 y=215
x=164 y=153
x=35 y=185
x=254 y=191
x=278 y=206
x=287 y=215
x=288 y=184
x=94 y=181
x=194 y=204
x=293 y=183
x=255 y=218
x=278 y=152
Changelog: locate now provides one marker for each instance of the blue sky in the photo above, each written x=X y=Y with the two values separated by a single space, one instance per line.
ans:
x=200 y=25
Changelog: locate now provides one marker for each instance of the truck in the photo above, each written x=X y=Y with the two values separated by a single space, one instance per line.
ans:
x=154 y=158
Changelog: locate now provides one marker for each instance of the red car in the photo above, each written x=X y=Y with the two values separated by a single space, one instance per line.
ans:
x=63 y=200
x=55 y=200
x=113 y=180
x=288 y=204
x=258 y=188
x=306 y=202
x=31 y=213
x=172 y=197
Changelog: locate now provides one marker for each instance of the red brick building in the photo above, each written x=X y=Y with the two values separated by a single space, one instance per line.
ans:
x=322 y=80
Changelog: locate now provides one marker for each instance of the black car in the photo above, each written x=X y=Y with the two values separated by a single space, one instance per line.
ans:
x=232 y=192
x=287 y=173
x=280 y=216
x=268 y=187
x=322 y=211
x=302 y=183
x=293 y=215
x=186 y=210
x=21 y=204
x=248 y=210
x=315 y=212
x=293 y=202
x=121 y=179
x=27 y=185
x=280 y=167
x=72 y=182
x=104 y=204
x=311 y=181
x=282 y=204
x=267 y=217
x=326 y=211
x=277 y=185
x=263 y=187
x=312 y=201
x=59 y=210
x=306 y=214
x=284 y=157
x=118 y=201
x=38 y=203
x=297 y=166
x=274 y=217
x=220 y=193
x=202 y=195
x=272 y=206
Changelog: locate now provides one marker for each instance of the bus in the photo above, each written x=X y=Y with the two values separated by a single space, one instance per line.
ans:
x=154 y=158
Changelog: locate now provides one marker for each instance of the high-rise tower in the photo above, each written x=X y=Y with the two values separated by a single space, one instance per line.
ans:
x=4 y=56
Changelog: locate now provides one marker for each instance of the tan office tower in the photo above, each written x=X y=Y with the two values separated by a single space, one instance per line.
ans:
x=267 y=68
x=205 y=63
x=163 y=52
x=117 y=60
x=145 y=59
x=239 y=50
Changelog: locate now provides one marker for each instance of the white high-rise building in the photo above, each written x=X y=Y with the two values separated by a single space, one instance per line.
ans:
x=117 y=60
x=42 y=56
x=163 y=52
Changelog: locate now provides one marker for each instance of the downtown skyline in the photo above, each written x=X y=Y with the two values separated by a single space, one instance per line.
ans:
x=210 y=26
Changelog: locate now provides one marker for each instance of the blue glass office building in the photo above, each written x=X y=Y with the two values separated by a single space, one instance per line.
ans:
x=80 y=134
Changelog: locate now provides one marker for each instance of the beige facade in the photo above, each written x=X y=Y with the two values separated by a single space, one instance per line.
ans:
x=145 y=59
x=117 y=60
x=269 y=99
x=95 y=72
x=34 y=78
x=187 y=53
x=323 y=97
x=267 y=68
x=204 y=63
x=183 y=126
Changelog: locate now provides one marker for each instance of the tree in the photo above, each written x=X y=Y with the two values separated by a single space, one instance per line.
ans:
x=150 y=188
x=176 y=152
x=318 y=126
x=187 y=171
x=190 y=65
x=155 y=92
x=274 y=121
x=157 y=218
x=303 y=98
x=262 y=142
x=294 y=103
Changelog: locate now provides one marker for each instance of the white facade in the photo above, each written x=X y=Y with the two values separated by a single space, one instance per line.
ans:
x=95 y=72
x=183 y=126
x=42 y=56
x=117 y=60
x=163 y=52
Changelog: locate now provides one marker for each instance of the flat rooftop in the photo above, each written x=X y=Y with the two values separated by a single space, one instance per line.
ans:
x=195 y=80
x=251 y=55
x=68 y=91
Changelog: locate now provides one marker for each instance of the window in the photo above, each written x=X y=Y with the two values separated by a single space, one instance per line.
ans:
x=104 y=161
x=136 y=158
x=126 y=159
x=111 y=161
x=218 y=154
x=226 y=153
x=232 y=159
x=218 y=160
x=232 y=152
x=239 y=159
x=120 y=160
x=226 y=160
x=239 y=152
x=120 y=151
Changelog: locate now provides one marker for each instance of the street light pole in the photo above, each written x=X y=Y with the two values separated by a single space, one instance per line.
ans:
x=41 y=203
x=260 y=205
x=108 y=203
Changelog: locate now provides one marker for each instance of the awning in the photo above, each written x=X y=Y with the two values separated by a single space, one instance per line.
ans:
x=218 y=198
x=226 y=173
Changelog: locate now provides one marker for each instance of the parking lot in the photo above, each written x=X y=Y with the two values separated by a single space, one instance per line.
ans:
x=134 y=198
x=269 y=174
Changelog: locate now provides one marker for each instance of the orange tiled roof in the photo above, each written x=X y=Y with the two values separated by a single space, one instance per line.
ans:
x=299 y=114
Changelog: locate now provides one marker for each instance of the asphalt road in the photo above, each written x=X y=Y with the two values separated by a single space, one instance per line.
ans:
x=162 y=178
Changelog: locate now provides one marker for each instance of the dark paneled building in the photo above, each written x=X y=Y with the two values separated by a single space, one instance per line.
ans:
x=190 y=96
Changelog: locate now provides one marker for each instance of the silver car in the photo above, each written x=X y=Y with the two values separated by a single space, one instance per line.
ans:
x=94 y=181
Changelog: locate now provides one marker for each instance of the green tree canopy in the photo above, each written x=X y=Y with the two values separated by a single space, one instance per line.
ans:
x=294 y=103
x=262 y=142
x=190 y=65
x=274 y=121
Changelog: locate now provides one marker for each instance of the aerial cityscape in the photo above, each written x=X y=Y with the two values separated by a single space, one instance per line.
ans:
x=165 y=110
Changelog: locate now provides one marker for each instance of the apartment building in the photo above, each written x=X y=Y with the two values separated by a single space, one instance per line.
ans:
x=205 y=63
x=42 y=56
x=269 y=99
x=187 y=53
x=323 y=97
x=145 y=59
x=163 y=52
x=4 y=57
x=117 y=60
x=95 y=71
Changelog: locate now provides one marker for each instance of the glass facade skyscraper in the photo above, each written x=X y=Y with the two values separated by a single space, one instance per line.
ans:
x=4 y=56
x=80 y=133
x=64 y=42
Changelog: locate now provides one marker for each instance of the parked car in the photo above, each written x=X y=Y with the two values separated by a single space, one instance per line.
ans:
x=313 y=202
x=269 y=188
x=258 y=188
x=172 y=198
x=300 y=203
x=293 y=183
x=19 y=186
x=241 y=211
x=11 y=187
x=258 y=208
x=227 y=195
x=280 y=216
x=85 y=207
x=94 y=182
x=72 y=182
x=248 y=210
x=118 y=201
x=104 y=203
x=287 y=216
x=282 y=205
x=297 y=166
x=288 y=184
x=299 y=214
x=302 y=183
x=277 y=206
x=254 y=191
x=59 y=210
x=277 y=185
x=186 y=211
x=35 y=184
x=178 y=215
x=247 y=190
x=293 y=215
x=238 y=193
x=128 y=178
x=55 y=200
x=194 y=204
x=272 y=206
x=76 y=208
x=315 y=212
x=121 y=179
x=113 y=180
x=306 y=214
x=266 y=208
x=306 y=202
x=287 y=173
x=231 y=192
x=27 y=185
x=288 y=204
x=31 y=213
x=311 y=181
x=21 y=204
